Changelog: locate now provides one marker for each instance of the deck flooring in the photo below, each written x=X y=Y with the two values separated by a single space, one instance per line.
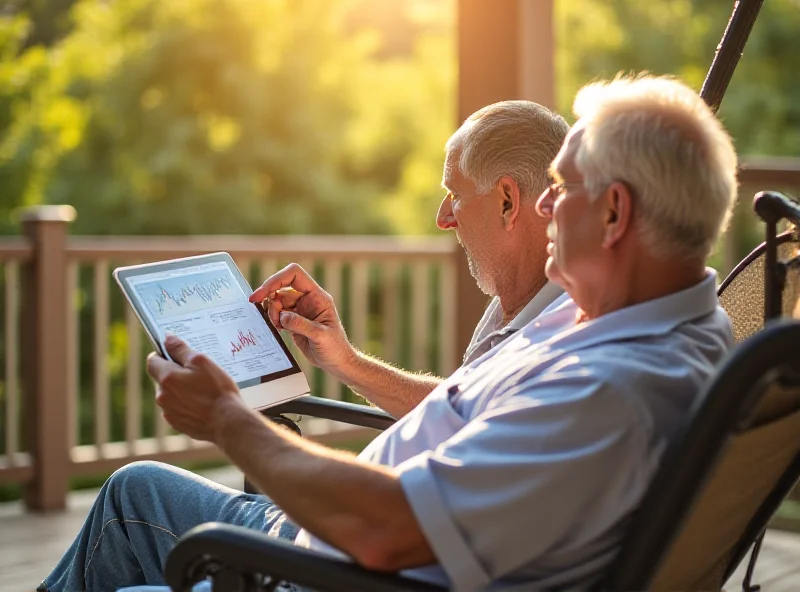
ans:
x=31 y=544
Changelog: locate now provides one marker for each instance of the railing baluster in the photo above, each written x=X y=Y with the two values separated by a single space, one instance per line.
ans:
x=306 y=366
x=12 y=343
x=133 y=383
x=101 y=390
x=244 y=265
x=333 y=285
x=419 y=315
x=73 y=354
x=266 y=268
x=390 y=281
x=448 y=318
x=359 y=308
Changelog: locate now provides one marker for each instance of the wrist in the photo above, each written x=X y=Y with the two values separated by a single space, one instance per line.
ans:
x=228 y=414
x=346 y=365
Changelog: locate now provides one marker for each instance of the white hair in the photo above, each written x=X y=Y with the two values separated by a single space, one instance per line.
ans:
x=515 y=138
x=660 y=138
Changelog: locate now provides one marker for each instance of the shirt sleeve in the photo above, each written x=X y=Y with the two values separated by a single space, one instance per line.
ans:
x=516 y=482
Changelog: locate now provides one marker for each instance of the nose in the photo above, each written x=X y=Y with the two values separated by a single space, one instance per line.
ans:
x=544 y=205
x=445 y=219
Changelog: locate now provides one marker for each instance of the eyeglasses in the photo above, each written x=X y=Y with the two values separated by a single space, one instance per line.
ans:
x=559 y=189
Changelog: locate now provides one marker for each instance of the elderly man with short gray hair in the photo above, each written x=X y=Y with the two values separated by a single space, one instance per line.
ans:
x=496 y=165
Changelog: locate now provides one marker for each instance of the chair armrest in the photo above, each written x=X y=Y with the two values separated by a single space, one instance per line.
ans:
x=360 y=415
x=222 y=546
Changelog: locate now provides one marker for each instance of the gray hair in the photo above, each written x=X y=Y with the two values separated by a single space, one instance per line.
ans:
x=515 y=138
x=657 y=135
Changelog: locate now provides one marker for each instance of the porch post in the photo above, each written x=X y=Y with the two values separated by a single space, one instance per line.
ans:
x=505 y=51
x=44 y=355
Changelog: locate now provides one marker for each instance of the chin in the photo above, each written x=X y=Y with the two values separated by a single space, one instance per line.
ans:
x=551 y=271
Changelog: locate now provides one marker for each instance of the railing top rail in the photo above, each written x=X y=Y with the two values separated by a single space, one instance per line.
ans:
x=15 y=249
x=777 y=171
x=89 y=248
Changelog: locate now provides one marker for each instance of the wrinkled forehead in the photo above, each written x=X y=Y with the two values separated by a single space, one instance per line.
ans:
x=564 y=166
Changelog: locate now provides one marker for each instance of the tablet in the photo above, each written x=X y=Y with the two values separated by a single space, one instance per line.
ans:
x=203 y=300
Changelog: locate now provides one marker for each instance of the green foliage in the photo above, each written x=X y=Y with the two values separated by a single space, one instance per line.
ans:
x=678 y=37
x=194 y=117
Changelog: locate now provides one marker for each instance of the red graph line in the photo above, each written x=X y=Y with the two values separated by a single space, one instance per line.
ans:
x=243 y=340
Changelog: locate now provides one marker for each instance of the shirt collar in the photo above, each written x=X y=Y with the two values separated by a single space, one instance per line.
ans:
x=543 y=298
x=654 y=317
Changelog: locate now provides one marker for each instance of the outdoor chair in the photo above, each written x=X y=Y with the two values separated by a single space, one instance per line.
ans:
x=766 y=283
x=722 y=478
x=741 y=293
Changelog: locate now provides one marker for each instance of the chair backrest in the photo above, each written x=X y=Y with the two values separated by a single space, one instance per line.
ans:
x=741 y=294
x=723 y=476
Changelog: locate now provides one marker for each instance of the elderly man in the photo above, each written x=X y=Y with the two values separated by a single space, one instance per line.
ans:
x=496 y=165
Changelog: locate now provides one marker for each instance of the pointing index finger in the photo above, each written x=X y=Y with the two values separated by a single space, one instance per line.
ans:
x=292 y=276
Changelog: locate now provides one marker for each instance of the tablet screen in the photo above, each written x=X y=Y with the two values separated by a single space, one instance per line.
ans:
x=206 y=306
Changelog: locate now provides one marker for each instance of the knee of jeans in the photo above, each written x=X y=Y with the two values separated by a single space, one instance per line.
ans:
x=139 y=472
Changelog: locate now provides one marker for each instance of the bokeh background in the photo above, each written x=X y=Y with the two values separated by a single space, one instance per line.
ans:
x=309 y=116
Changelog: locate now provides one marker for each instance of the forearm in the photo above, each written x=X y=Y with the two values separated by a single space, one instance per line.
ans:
x=358 y=508
x=394 y=390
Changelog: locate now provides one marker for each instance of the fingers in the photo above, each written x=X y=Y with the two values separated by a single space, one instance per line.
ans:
x=177 y=349
x=284 y=299
x=274 y=308
x=159 y=367
x=294 y=323
x=291 y=276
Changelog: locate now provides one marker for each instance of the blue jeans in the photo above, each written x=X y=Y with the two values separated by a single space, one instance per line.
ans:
x=140 y=513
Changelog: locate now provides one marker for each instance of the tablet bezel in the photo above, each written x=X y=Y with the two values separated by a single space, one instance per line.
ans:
x=123 y=274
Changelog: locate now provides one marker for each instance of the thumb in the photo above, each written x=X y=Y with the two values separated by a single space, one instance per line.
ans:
x=294 y=323
x=177 y=349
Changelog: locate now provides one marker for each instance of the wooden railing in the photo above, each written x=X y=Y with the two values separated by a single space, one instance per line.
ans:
x=75 y=397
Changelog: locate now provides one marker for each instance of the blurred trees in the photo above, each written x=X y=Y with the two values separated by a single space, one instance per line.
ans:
x=218 y=116
x=760 y=109
x=309 y=116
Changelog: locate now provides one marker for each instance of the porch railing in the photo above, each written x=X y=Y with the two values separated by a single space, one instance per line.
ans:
x=75 y=397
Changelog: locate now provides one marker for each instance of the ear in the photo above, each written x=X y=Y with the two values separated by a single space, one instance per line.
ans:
x=618 y=203
x=510 y=201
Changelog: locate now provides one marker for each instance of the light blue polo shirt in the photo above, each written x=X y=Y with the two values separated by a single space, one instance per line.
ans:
x=523 y=466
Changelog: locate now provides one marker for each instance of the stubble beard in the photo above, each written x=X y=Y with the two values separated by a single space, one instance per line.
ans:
x=474 y=269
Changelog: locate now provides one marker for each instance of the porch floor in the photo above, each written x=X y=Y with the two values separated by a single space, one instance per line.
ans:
x=31 y=544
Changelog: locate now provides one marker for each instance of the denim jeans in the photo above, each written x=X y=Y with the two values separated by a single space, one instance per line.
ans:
x=140 y=513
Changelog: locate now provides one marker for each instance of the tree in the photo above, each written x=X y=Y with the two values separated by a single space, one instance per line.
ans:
x=192 y=117
x=678 y=37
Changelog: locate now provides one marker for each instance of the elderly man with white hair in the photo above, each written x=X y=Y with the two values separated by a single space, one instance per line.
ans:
x=521 y=469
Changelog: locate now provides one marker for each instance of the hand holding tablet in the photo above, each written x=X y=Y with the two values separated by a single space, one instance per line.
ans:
x=204 y=301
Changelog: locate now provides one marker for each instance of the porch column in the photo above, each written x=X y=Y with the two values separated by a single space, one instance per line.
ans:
x=44 y=355
x=505 y=51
